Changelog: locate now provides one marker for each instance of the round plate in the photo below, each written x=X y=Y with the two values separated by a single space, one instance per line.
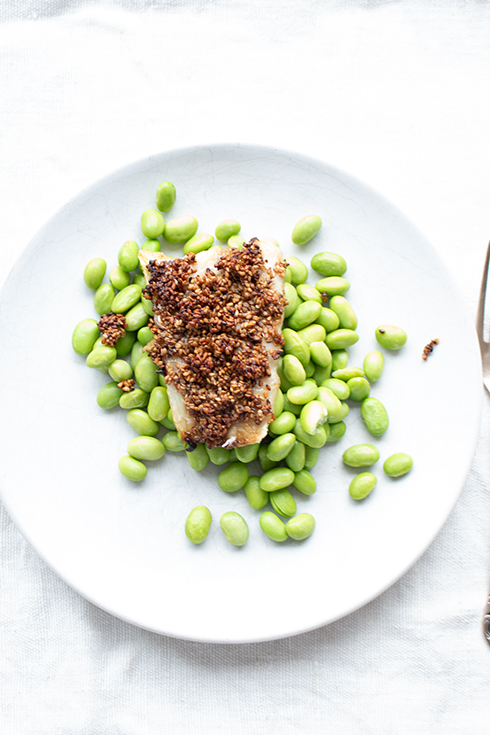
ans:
x=122 y=545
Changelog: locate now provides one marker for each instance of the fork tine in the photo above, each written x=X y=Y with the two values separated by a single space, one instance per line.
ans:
x=480 y=317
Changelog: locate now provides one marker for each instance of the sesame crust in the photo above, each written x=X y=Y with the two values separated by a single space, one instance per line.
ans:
x=209 y=334
x=113 y=327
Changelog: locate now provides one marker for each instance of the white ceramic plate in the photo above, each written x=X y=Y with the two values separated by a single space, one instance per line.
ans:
x=122 y=545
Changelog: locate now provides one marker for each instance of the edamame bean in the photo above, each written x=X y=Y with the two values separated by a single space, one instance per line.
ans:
x=313 y=415
x=359 y=389
x=144 y=335
x=332 y=404
x=146 y=447
x=236 y=242
x=347 y=373
x=310 y=369
x=297 y=270
x=373 y=365
x=136 y=354
x=166 y=195
x=233 y=477
x=276 y=479
x=301 y=394
x=361 y=455
x=337 y=431
x=341 y=338
x=102 y=356
x=300 y=527
x=181 y=229
x=293 y=370
x=248 y=453
x=198 y=523
x=320 y=354
x=161 y=380
x=306 y=229
x=304 y=482
x=316 y=440
x=278 y=405
x=84 y=336
x=305 y=313
x=103 y=298
x=198 y=243
x=234 y=527
x=280 y=447
x=136 y=317
x=152 y=224
x=285 y=384
x=345 y=411
x=337 y=387
x=321 y=373
x=283 y=502
x=128 y=256
x=132 y=469
x=198 y=458
x=294 y=345
x=375 y=416
x=390 y=337
x=287 y=276
x=339 y=359
x=227 y=229
x=168 y=422
x=333 y=286
x=145 y=373
x=329 y=264
x=308 y=293
x=158 y=405
x=141 y=422
x=257 y=497
x=139 y=280
x=292 y=298
x=94 y=273
x=264 y=460
x=344 y=311
x=98 y=342
x=398 y=464
x=295 y=460
x=328 y=319
x=147 y=306
x=109 y=395
x=291 y=407
x=273 y=527
x=126 y=298
x=218 y=455
x=134 y=399
x=152 y=245
x=283 y=424
x=311 y=456
x=172 y=442
x=120 y=370
x=119 y=278
x=313 y=333
x=362 y=485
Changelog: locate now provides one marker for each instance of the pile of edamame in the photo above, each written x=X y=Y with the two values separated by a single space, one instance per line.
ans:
x=310 y=408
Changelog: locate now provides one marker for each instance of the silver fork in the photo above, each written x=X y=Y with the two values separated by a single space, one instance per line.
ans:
x=485 y=356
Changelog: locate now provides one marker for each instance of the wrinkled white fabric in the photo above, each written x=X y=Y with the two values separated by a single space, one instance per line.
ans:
x=397 y=94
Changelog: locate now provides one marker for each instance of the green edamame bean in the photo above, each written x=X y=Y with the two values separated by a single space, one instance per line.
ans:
x=170 y=420
x=295 y=460
x=103 y=298
x=198 y=243
x=304 y=314
x=152 y=224
x=341 y=338
x=94 y=273
x=147 y=306
x=298 y=270
x=198 y=458
x=310 y=369
x=136 y=317
x=301 y=394
x=126 y=298
x=235 y=528
x=300 y=527
x=304 y=482
x=109 y=395
x=257 y=497
x=291 y=407
x=98 y=342
x=166 y=196
x=361 y=455
x=119 y=278
x=218 y=455
x=128 y=256
x=139 y=280
x=145 y=373
x=152 y=245
x=288 y=276
x=136 y=354
x=120 y=370
x=375 y=416
x=311 y=456
x=236 y=242
x=102 y=356
x=161 y=380
x=313 y=415
x=320 y=354
x=198 y=523
x=293 y=370
x=328 y=319
x=373 y=365
x=316 y=440
x=141 y=422
x=158 y=405
x=359 y=389
x=306 y=229
x=283 y=502
x=273 y=527
x=276 y=479
x=146 y=447
x=280 y=447
x=390 y=337
x=398 y=464
x=345 y=411
x=344 y=311
x=134 y=399
x=337 y=387
x=278 y=404
x=339 y=359
x=292 y=298
x=132 y=469
x=294 y=345
x=321 y=373
x=333 y=286
x=144 y=335
x=332 y=404
x=227 y=229
x=362 y=485
x=329 y=264
x=84 y=336
x=264 y=460
x=312 y=333
x=181 y=229
x=308 y=293
x=283 y=424
x=233 y=477
x=337 y=431
x=347 y=373
x=248 y=453
x=172 y=442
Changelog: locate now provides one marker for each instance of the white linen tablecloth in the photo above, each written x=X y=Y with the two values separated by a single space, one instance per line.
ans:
x=396 y=93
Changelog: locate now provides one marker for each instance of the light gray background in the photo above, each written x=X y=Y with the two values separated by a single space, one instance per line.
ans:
x=397 y=94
